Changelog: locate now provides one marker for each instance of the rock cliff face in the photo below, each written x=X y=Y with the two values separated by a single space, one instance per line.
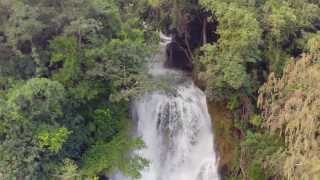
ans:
x=225 y=136
x=177 y=57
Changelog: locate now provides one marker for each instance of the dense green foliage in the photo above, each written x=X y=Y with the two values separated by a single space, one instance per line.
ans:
x=251 y=32
x=68 y=69
x=256 y=38
x=224 y=63
x=291 y=110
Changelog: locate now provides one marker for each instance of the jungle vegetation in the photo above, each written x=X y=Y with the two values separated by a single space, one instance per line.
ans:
x=68 y=70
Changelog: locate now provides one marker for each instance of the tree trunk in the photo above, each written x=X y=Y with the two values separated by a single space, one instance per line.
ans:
x=204 y=30
x=189 y=52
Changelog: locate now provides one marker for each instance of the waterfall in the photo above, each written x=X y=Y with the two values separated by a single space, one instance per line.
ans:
x=176 y=128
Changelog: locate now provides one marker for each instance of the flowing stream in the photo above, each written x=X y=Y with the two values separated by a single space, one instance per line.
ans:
x=176 y=128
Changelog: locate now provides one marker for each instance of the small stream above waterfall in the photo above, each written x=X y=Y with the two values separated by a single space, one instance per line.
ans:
x=176 y=127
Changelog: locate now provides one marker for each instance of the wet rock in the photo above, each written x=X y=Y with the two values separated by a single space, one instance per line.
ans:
x=177 y=57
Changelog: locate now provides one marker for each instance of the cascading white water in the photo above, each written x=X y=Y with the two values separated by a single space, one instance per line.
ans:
x=176 y=128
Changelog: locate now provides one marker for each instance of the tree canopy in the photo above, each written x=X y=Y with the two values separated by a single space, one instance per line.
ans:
x=290 y=108
x=68 y=70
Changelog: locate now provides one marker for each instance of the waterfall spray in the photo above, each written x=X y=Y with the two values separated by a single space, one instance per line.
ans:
x=176 y=128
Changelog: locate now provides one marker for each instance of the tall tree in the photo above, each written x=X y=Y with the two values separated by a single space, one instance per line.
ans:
x=290 y=109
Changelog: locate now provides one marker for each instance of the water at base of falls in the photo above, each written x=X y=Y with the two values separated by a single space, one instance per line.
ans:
x=176 y=128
